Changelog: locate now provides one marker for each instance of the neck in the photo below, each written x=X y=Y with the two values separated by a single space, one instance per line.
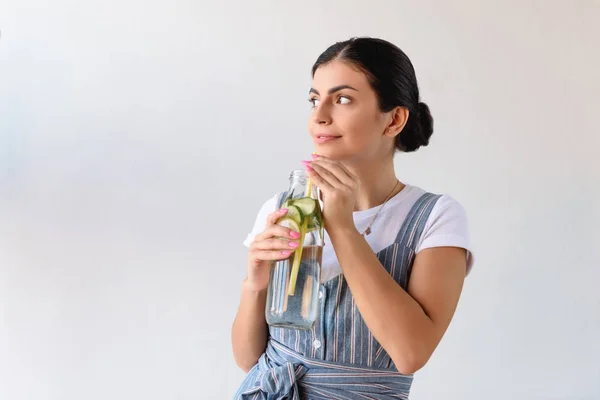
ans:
x=373 y=192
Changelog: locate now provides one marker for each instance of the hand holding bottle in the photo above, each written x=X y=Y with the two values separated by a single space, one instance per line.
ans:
x=276 y=242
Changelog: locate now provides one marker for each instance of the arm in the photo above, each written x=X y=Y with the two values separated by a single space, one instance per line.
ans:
x=249 y=333
x=409 y=325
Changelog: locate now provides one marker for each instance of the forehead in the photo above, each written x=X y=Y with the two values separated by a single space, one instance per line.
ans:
x=336 y=73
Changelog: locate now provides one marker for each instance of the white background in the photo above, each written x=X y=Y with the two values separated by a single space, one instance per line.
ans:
x=139 y=138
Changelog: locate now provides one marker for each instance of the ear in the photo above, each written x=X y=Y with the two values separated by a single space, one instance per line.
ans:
x=399 y=117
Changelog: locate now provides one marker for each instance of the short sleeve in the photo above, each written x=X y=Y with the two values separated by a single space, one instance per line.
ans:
x=261 y=218
x=447 y=225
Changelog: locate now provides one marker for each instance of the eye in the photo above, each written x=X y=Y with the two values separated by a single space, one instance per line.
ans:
x=314 y=102
x=344 y=100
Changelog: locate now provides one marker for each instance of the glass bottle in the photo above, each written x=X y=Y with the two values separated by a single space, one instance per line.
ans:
x=293 y=292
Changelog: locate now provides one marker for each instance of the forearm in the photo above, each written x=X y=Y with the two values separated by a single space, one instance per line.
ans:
x=250 y=332
x=396 y=320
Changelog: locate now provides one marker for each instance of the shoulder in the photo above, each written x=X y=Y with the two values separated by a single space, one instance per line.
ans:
x=448 y=208
x=447 y=225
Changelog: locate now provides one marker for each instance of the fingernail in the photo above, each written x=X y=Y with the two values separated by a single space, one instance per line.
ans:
x=283 y=210
x=314 y=155
x=293 y=245
x=307 y=166
x=294 y=235
x=286 y=252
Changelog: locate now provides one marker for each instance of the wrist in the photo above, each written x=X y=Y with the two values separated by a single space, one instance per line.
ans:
x=342 y=230
x=251 y=290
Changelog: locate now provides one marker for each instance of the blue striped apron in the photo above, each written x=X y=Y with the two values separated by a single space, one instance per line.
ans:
x=339 y=358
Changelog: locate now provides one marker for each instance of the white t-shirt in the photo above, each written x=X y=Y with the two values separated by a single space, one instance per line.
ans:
x=446 y=226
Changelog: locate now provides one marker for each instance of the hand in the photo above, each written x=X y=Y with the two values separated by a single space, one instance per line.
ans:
x=338 y=187
x=273 y=244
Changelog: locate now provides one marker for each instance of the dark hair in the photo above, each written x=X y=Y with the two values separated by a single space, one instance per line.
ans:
x=392 y=77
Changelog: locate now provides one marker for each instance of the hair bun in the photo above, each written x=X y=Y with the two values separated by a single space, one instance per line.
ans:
x=426 y=123
x=417 y=131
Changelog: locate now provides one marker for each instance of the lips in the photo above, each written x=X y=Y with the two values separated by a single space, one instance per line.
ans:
x=324 y=138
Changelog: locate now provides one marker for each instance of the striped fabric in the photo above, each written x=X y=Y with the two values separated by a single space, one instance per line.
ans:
x=284 y=374
x=339 y=358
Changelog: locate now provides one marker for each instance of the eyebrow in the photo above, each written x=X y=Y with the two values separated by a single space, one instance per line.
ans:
x=333 y=89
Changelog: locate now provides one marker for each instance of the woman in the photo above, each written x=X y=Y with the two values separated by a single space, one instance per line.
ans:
x=379 y=326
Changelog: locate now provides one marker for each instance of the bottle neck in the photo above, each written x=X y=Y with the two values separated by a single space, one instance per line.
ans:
x=298 y=176
x=299 y=185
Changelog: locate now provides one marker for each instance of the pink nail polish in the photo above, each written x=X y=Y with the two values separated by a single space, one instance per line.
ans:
x=314 y=155
x=294 y=235
x=293 y=245
x=286 y=252
x=307 y=165
x=284 y=210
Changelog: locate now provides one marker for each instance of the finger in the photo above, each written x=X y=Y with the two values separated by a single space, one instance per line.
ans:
x=270 y=255
x=337 y=170
x=277 y=231
x=274 y=216
x=339 y=164
x=327 y=175
x=317 y=179
x=276 y=244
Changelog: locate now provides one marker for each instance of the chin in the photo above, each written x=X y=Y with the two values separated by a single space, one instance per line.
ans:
x=331 y=152
x=338 y=154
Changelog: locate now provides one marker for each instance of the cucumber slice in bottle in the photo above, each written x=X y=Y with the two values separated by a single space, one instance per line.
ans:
x=307 y=205
x=295 y=213
x=290 y=223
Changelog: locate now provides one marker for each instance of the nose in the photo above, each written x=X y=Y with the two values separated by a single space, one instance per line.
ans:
x=322 y=114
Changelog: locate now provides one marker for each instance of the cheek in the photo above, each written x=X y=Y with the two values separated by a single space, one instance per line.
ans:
x=363 y=126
